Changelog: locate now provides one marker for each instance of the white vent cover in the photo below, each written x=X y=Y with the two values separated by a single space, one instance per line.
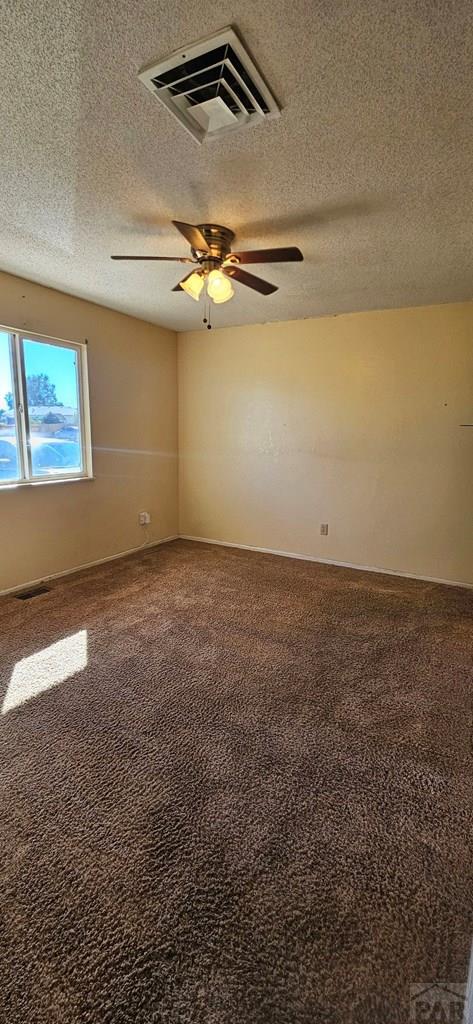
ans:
x=212 y=86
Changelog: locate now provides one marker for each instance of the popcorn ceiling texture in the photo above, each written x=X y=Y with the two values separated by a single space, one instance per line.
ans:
x=253 y=804
x=368 y=169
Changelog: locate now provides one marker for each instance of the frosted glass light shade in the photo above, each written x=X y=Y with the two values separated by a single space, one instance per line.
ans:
x=193 y=286
x=219 y=287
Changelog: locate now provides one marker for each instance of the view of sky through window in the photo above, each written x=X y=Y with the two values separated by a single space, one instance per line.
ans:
x=57 y=363
x=5 y=369
x=52 y=428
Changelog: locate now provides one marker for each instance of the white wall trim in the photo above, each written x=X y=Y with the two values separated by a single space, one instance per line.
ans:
x=327 y=561
x=229 y=544
x=87 y=565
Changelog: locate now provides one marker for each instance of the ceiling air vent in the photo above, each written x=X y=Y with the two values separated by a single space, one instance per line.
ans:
x=212 y=86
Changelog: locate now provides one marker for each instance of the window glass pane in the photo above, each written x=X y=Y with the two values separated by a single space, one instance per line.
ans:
x=9 y=454
x=52 y=393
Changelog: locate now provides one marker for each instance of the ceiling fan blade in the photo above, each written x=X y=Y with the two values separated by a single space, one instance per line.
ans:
x=193 y=235
x=257 y=283
x=166 y=259
x=289 y=254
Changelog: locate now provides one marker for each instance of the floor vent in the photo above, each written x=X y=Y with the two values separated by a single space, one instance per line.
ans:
x=212 y=86
x=26 y=595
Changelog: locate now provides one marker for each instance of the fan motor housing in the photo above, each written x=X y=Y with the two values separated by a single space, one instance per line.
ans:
x=219 y=239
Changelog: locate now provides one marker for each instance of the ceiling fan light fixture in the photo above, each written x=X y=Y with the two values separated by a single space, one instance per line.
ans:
x=193 y=285
x=216 y=264
x=219 y=287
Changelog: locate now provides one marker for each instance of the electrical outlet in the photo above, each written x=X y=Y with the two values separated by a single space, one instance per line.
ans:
x=144 y=518
x=324 y=529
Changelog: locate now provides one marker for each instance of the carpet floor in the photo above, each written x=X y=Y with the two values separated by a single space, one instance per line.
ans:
x=234 y=789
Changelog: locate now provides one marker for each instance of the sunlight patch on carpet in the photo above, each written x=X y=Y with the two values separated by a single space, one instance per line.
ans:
x=45 y=669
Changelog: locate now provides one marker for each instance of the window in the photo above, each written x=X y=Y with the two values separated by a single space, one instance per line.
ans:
x=44 y=414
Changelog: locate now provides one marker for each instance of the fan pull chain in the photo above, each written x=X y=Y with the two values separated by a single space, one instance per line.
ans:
x=206 y=319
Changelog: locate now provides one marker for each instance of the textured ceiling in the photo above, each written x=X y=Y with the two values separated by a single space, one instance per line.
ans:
x=369 y=168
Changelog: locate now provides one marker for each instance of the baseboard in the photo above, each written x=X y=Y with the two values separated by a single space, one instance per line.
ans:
x=229 y=544
x=87 y=565
x=328 y=561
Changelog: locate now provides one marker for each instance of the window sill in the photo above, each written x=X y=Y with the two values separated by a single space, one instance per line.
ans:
x=16 y=484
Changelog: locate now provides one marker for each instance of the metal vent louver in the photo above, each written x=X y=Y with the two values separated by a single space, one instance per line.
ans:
x=26 y=595
x=211 y=86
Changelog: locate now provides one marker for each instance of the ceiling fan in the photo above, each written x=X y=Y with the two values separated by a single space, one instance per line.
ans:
x=216 y=265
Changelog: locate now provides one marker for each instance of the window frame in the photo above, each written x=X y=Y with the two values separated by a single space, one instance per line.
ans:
x=27 y=478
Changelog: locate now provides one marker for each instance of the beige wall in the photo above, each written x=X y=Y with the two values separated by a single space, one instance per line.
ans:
x=351 y=420
x=132 y=378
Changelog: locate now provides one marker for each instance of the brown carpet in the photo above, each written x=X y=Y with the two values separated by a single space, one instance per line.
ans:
x=252 y=804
